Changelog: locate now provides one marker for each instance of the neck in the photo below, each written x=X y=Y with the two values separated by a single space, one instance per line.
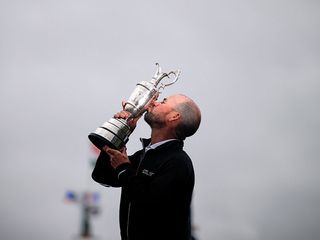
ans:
x=158 y=135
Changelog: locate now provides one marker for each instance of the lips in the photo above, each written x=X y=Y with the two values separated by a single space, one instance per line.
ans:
x=149 y=108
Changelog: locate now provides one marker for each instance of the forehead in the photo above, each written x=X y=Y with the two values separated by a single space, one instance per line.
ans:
x=175 y=99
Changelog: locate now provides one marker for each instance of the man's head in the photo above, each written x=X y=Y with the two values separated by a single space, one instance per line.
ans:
x=177 y=113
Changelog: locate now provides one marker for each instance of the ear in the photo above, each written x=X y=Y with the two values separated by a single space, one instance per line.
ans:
x=173 y=116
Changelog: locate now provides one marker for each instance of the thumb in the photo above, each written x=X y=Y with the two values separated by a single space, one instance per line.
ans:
x=123 y=104
x=110 y=151
x=123 y=150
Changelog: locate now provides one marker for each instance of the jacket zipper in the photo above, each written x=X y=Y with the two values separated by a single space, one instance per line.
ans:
x=129 y=206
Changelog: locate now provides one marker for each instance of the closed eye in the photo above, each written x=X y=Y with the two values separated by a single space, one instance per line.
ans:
x=164 y=100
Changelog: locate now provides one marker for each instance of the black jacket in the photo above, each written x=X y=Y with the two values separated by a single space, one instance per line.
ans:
x=156 y=192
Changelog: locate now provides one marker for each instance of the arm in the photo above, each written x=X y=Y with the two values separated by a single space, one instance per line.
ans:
x=104 y=173
x=104 y=170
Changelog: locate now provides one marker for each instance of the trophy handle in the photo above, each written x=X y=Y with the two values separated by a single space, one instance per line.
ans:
x=176 y=76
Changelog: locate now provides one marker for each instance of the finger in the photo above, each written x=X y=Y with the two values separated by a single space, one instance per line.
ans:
x=110 y=151
x=123 y=150
x=132 y=121
x=122 y=114
x=105 y=148
x=119 y=115
x=115 y=154
x=123 y=103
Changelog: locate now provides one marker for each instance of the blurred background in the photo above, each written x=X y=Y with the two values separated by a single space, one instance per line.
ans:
x=253 y=67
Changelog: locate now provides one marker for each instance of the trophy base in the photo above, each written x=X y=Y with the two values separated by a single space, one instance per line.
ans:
x=113 y=133
x=100 y=141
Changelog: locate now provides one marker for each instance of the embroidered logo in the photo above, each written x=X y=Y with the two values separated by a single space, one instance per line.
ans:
x=147 y=172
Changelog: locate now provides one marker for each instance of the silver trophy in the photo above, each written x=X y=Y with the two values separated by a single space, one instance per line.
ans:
x=115 y=132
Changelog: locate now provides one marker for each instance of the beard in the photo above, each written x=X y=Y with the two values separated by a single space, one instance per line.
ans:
x=153 y=120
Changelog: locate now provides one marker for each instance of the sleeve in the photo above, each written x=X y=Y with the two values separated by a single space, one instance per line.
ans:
x=104 y=173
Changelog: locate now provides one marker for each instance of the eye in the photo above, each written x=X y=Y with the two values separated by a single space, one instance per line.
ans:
x=164 y=100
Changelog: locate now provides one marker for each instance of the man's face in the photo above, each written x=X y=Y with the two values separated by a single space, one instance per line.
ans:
x=158 y=111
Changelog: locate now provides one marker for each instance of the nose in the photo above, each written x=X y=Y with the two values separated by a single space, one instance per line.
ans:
x=151 y=105
x=155 y=103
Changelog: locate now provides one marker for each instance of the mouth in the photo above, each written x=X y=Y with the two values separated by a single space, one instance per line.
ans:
x=149 y=108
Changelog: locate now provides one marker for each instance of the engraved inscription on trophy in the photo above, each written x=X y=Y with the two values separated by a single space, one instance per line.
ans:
x=115 y=132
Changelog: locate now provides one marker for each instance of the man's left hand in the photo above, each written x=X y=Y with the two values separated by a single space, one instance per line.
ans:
x=117 y=157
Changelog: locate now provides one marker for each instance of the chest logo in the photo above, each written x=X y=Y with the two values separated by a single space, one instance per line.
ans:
x=147 y=172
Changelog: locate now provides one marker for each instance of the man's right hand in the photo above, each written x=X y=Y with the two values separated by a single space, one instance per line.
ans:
x=132 y=122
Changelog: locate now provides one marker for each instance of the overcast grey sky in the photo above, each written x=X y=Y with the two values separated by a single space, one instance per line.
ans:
x=252 y=66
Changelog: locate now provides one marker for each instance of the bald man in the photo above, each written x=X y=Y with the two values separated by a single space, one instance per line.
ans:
x=157 y=182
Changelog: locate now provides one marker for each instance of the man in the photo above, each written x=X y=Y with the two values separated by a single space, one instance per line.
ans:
x=157 y=181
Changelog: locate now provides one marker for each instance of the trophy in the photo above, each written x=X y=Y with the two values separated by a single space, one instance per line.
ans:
x=115 y=132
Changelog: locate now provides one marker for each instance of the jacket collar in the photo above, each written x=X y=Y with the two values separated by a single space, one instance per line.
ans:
x=146 y=141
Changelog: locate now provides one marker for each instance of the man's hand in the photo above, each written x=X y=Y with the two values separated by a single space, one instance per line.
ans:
x=132 y=122
x=117 y=157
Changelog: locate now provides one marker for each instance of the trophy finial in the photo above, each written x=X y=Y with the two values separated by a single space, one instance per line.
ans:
x=159 y=70
x=158 y=76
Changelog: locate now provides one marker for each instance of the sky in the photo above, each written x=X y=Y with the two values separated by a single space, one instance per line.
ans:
x=253 y=67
